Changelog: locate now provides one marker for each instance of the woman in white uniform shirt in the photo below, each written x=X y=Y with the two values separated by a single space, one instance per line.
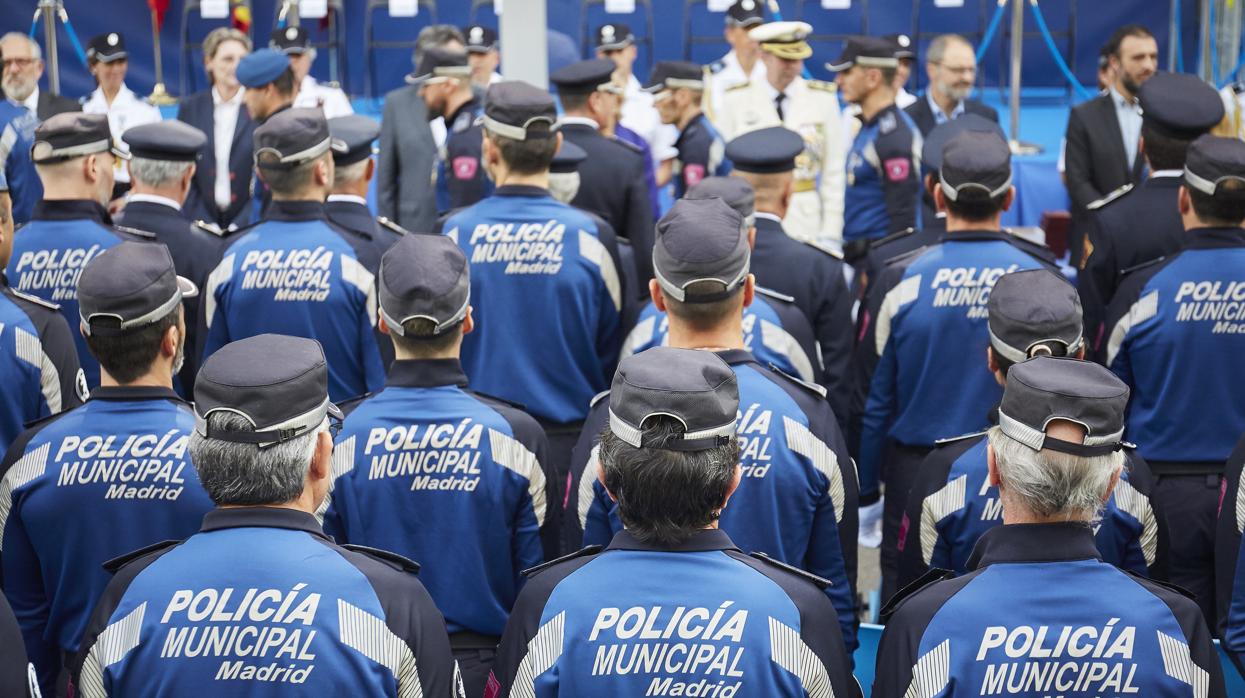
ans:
x=107 y=58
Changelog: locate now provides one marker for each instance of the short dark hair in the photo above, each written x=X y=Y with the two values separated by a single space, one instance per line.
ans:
x=419 y=340
x=129 y=355
x=530 y=156
x=1117 y=39
x=1162 y=151
x=574 y=102
x=1226 y=208
x=285 y=82
x=974 y=208
x=704 y=316
x=888 y=74
x=664 y=496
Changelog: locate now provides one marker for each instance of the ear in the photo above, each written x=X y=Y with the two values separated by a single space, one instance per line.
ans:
x=654 y=292
x=171 y=340
x=469 y=322
x=369 y=170
x=750 y=290
x=752 y=237
x=601 y=479
x=322 y=460
x=90 y=167
x=992 y=464
x=1183 y=201
x=991 y=362
x=381 y=324
x=1115 y=480
x=940 y=200
x=1008 y=199
x=930 y=184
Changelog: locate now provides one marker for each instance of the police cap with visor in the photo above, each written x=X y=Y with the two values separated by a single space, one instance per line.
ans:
x=261 y=67
x=292 y=41
x=1178 y=105
x=612 y=37
x=291 y=137
x=72 y=135
x=130 y=286
x=169 y=140
x=703 y=243
x=785 y=40
x=867 y=52
x=1047 y=388
x=671 y=75
x=696 y=388
x=278 y=383
x=745 y=13
x=439 y=64
x=975 y=166
x=106 y=48
x=516 y=110
x=765 y=151
x=586 y=77
x=1212 y=161
x=424 y=277
x=352 y=136
x=567 y=159
x=940 y=135
x=480 y=39
x=1034 y=312
x=734 y=191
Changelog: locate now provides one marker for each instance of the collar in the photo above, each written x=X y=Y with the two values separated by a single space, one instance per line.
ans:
x=773 y=92
x=234 y=101
x=308 y=83
x=295 y=211
x=124 y=96
x=467 y=106
x=885 y=110
x=134 y=392
x=700 y=116
x=763 y=216
x=701 y=541
x=734 y=357
x=933 y=106
x=1214 y=238
x=347 y=198
x=1120 y=101
x=153 y=199
x=580 y=121
x=974 y=236
x=426 y=373
x=261 y=517
x=1050 y=542
x=71 y=209
x=278 y=110
x=520 y=190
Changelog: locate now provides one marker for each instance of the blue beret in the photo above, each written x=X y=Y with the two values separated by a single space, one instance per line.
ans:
x=262 y=67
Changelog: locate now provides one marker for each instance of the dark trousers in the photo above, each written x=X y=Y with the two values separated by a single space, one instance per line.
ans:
x=899 y=470
x=1191 y=504
x=562 y=438
x=474 y=655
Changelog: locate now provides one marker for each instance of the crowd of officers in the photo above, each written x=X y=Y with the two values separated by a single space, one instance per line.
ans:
x=545 y=450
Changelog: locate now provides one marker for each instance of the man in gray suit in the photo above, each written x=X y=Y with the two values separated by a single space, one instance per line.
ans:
x=408 y=149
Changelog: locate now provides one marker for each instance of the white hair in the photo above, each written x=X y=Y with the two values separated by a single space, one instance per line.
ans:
x=157 y=173
x=245 y=474
x=349 y=174
x=36 y=51
x=1052 y=484
x=564 y=185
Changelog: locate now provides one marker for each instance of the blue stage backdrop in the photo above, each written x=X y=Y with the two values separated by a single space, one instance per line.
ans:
x=1094 y=23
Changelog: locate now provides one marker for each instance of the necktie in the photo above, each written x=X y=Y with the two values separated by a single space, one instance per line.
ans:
x=778 y=105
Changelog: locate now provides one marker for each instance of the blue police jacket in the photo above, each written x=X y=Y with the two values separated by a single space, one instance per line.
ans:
x=923 y=341
x=461 y=179
x=699 y=618
x=1041 y=615
x=429 y=470
x=883 y=177
x=295 y=273
x=797 y=501
x=82 y=488
x=775 y=331
x=1176 y=334
x=17 y=135
x=38 y=362
x=547 y=295
x=701 y=153
x=50 y=253
x=260 y=602
x=952 y=504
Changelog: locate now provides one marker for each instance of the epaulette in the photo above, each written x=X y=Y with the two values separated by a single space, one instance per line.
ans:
x=715 y=67
x=35 y=299
x=906 y=256
x=1095 y=205
x=386 y=223
x=1143 y=265
x=403 y=564
x=774 y=294
x=135 y=232
x=933 y=576
x=897 y=235
x=819 y=390
x=832 y=251
x=586 y=550
x=628 y=145
x=821 y=582
x=40 y=421
x=502 y=400
x=353 y=401
x=961 y=437
x=740 y=86
x=598 y=397
x=120 y=561
x=822 y=85
x=1166 y=585
x=209 y=227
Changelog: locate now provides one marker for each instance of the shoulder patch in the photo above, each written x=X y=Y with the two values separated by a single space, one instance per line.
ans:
x=598 y=397
x=961 y=437
x=135 y=232
x=386 y=223
x=1095 y=205
x=394 y=560
x=1166 y=585
x=35 y=299
x=773 y=294
x=819 y=390
x=587 y=550
x=933 y=576
x=821 y=582
x=1143 y=265
x=209 y=227
x=898 y=235
x=822 y=85
x=828 y=249
x=115 y=564
x=740 y=86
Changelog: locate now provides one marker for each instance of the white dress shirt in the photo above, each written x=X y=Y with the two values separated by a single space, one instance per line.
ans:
x=1129 y=115
x=639 y=115
x=126 y=111
x=332 y=100
x=940 y=116
x=732 y=74
x=224 y=121
x=153 y=199
x=31 y=102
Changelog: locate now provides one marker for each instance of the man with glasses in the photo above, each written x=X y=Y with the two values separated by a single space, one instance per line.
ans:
x=951 y=66
x=23 y=68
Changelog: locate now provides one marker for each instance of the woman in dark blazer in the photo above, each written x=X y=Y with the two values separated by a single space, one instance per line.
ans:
x=216 y=196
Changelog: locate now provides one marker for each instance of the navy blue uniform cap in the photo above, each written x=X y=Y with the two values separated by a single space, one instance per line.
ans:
x=586 y=77
x=866 y=51
x=745 y=13
x=1047 y=388
x=133 y=284
x=294 y=136
x=171 y=140
x=567 y=159
x=440 y=63
x=352 y=136
x=737 y=194
x=1213 y=160
x=72 y=135
x=106 y=48
x=975 y=162
x=292 y=41
x=424 y=276
x=611 y=37
x=766 y=150
x=480 y=39
x=695 y=387
x=1031 y=309
x=671 y=75
x=518 y=111
x=940 y=135
x=698 y=241
x=262 y=67
x=1179 y=105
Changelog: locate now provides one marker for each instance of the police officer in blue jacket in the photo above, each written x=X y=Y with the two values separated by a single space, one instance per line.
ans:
x=294 y=272
x=437 y=473
x=74 y=155
x=444 y=81
x=113 y=475
x=775 y=330
x=163 y=158
x=270 y=89
x=1174 y=334
x=677 y=88
x=17 y=127
x=672 y=606
x=545 y=278
x=797 y=498
x=810 y=274
x=1035 y=312
x=923 y=332
x=1039 y=609
x=260 y=602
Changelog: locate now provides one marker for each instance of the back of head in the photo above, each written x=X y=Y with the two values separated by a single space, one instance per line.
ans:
x=425 y=294
x=162 y=153
x=436 y=36
x=288 y=148
x=700 y=259
x=1034 y=312
x=1176 y=109
x=521 y=121
x=975 y=176
x=1214 y=176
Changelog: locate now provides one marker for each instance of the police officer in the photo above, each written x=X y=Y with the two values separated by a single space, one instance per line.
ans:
x=353 y=168
x=444 y=81
x=483 y=55
x=797 y=498
x=923 y=328
x=612 y=183
x=810 y=274
x=670 y=458
x=296 y=43
x=883 y=166
x=774 y=328
x=808 y=107
x=73 y=153
x=17 y=126
x=270 y=89
x=742 y=63
x=288 y=610
x=952 y=503
x=108 y=60
x=163 y=162
x=475 y=520
x=1173 y=334
x=1055 y=458
x=1132 y=226
x=110 y=476
x=677 y=88
x=545 y=278
x=295 y=272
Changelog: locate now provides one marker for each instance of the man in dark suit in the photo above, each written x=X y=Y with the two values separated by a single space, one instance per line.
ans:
x=23 y=66
x=952 y=68
x=1101 y=151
